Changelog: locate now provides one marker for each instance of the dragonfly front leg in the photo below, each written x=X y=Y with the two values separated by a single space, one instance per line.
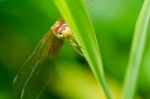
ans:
x=75 y=45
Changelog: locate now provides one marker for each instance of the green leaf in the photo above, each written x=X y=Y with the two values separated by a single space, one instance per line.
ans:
x=75 y=14
x=137 y=49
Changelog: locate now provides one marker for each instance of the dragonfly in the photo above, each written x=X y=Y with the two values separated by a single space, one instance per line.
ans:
x=48 y=47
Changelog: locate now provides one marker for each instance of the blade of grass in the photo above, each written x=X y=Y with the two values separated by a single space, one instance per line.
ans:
x=137 y=49
x=75 y=14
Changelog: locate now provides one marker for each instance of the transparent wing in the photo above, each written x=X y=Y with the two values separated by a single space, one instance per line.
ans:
x=45 y=48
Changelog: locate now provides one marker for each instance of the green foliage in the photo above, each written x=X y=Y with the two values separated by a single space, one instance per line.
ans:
x=137 y=49
x=75 y=14
x=24 y=22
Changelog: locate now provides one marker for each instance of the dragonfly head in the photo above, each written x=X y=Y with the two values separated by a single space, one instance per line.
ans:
x=60 y=29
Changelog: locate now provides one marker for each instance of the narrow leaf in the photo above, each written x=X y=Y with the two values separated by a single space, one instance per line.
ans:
x=75 y=14
x=137 y=50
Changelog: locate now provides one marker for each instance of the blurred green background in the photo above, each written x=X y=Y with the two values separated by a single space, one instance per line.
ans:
x=24 y=22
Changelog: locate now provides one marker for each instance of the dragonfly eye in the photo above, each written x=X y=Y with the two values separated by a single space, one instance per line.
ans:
x=61 y=35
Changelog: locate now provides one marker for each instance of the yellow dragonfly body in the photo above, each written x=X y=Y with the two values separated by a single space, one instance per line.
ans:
x=48 y=47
